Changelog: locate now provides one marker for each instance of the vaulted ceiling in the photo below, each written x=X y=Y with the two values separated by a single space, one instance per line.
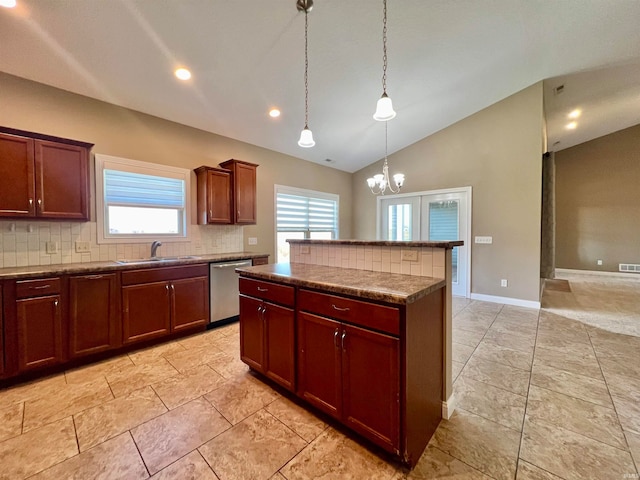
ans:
x=447 y=60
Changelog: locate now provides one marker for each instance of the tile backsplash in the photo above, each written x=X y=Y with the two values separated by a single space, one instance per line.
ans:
x=429 y=262
x=24 y=243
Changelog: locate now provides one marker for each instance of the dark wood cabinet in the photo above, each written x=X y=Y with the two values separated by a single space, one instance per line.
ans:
x=243 y=191
x=214 y=195
x=338 y=363
x=2 y=361
x=39 y=324
x=159 y=301
x=260 y=260
x=267 y=330
x=43 y=176
x=94 y=314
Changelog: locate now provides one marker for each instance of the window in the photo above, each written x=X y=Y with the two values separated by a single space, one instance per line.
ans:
x=139 y=201
x=304 y=214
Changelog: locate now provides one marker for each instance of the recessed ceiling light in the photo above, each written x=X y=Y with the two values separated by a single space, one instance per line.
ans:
x=571 y=126
x=8 y=3
x=183 y=74
x=274 y=112
x=576 y=113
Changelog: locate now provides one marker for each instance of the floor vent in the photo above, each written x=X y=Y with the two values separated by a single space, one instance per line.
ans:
x=629 y=267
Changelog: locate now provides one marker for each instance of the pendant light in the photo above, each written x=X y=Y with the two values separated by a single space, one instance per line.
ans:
x=380 y=183
x=306 y=137
x=384 y=108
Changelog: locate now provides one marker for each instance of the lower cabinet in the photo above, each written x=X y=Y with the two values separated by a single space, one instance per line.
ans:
x=39 y=324
x=94 y=314
x=2 y=369
x=351 y=373
x=267 y=330
x=159 y=301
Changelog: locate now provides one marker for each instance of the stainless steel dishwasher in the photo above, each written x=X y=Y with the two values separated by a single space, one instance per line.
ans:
x=223 y=293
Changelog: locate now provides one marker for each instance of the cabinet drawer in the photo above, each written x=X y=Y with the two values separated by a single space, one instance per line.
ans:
x=163 y=274
x=275 y=292
x=369 y=315
x=37 y=288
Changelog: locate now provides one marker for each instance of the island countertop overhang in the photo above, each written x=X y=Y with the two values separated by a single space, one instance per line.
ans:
x=392 y=288
x=380 y=243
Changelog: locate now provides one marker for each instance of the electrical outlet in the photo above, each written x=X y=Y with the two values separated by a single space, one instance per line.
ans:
x=83 y=247
x=410 y=255
x=599 y=262
x=52 y=247
x=253 y=240
x=504 y=282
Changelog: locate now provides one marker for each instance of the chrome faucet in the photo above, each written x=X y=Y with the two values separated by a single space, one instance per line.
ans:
x=154 y=248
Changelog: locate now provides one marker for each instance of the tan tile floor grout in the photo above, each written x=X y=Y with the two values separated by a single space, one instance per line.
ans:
x=577 y=416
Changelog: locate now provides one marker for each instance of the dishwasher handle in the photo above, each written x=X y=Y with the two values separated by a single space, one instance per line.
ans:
x=229 y=265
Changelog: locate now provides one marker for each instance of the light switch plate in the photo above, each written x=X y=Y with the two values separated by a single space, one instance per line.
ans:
x=486 y=240
x=253 y=240
x=52 y=247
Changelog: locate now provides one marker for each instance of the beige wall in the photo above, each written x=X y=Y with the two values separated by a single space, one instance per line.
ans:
x=497 y=151
x=125 y=133
x=598 y=202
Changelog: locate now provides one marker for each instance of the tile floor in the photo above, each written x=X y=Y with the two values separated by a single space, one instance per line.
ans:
x=549 y=394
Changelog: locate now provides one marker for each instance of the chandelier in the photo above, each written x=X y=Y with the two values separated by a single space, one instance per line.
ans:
x=384 y=112
x=380 y=183
x=306 y=137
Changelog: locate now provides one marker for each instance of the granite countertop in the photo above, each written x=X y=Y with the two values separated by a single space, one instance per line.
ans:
x=380 y=243
x=387 y=287
x=38 y=271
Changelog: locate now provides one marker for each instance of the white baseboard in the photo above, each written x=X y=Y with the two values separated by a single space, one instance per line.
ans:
x=448 y=407
x=506 y=300
x=630 y=276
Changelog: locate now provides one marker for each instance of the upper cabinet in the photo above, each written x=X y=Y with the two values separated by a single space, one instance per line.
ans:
x=227 y=194
x=43 y=176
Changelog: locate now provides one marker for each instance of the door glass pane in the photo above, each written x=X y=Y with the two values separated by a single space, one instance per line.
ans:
x=400 y=225
x=443 y=225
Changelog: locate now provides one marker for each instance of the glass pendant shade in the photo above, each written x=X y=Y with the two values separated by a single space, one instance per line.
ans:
x=306 y=138
x=384 y=109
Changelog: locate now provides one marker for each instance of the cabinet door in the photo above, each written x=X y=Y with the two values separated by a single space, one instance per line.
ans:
x=319 y=375
x=371 y=385
x=189 y=302
x=219 y=197
x=280 y=345
x=94 y=314
x=17 y=195
x=1 y=334
x=39 y=332
x=62 y=179
x=146 y=311
x=252 y=333
x=245 y=193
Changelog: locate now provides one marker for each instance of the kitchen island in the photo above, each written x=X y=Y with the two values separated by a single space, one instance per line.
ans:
x=364 y=347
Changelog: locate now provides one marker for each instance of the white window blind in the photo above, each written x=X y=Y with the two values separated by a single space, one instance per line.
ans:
x=302 y=214
x=136 y=189
x=299 y=213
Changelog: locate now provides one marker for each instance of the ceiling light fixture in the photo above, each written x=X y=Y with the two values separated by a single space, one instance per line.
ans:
x=306 y=137
x=384 y=107
x=575 y=114
x=8 y=3
x=274 y=113
x=183 y=74
x=572 y=126
x=380 y=182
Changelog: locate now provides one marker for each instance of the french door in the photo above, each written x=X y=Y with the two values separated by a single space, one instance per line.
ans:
x=432 y=216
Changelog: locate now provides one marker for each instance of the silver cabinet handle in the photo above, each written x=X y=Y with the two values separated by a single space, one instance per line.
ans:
x=344 y=335
x=335 y=338
x=30 y=201
x=94 y=277
x=55 y=303
x=346 y=309
x=263 y=289
x=41 y=287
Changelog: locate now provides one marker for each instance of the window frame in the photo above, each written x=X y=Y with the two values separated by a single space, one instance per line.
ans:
x=109 y=162
x=303 y=192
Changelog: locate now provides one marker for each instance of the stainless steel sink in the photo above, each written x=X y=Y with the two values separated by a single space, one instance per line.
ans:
x=139 y=261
